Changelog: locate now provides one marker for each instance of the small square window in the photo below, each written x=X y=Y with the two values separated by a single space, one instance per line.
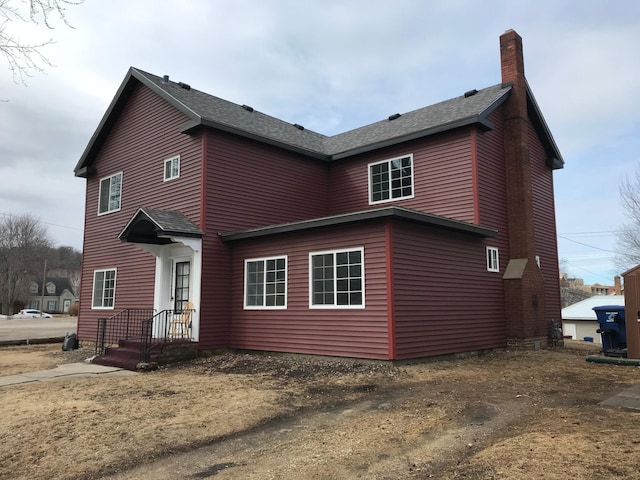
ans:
x=493 y=260
x=172 y=168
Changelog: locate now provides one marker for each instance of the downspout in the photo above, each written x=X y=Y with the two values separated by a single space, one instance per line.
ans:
x=391 y=321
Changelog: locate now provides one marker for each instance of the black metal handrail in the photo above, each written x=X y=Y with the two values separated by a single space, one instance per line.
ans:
x=165 y=326
x=145 y=325
x=124 y=325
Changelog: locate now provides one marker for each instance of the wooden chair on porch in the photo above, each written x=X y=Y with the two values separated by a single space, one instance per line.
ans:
x=180 y=324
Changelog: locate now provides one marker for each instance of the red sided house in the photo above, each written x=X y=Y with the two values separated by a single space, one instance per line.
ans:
x=428 y=233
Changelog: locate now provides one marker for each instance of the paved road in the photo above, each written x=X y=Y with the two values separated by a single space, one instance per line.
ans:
x=36 y=328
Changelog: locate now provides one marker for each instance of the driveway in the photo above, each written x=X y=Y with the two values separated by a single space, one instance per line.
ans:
x=28 y=329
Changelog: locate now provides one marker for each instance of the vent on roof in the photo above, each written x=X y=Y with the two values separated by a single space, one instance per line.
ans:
x=470 y=93
x=394 y=116
x=247 y=108
x=299 y=127
x=186 y=86
x=165 y=79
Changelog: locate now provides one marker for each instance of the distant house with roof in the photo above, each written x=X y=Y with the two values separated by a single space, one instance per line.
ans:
x=58 y=295
x=427 y=233
x=580 y=321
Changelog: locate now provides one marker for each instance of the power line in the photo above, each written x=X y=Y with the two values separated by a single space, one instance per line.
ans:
x=586 y=244
x=47 y=223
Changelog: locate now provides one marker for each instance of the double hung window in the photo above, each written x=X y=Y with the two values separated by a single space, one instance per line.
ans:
x=110 y=194
x=104 y=289
x=172 y=168
x=493 y=261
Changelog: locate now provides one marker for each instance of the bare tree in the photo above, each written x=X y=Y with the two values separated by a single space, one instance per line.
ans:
x=628 y=242
x=24 y=247
x=23 y=58
x=572 y=290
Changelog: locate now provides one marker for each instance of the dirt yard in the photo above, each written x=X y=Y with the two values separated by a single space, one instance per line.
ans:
x=504 y=415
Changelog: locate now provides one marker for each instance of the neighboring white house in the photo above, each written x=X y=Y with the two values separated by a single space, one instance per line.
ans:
x=580 y=321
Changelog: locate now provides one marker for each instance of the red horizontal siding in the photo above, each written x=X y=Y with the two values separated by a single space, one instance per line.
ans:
x=544 y=221
x=442 y=177
x=340 y=332
x=445 y=299
x=146 y=133
x=249 y=184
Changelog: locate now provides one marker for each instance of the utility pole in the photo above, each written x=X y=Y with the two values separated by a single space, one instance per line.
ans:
x=44 y=281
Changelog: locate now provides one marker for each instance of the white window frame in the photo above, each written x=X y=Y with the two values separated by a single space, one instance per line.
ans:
x=390 y=189
x=264 y=261
x=493 y=259
x=171 y=161
x=335 y=304
x=109 y=209
x=93 y=290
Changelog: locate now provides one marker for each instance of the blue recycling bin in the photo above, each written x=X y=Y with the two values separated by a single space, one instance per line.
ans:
x=613 y=329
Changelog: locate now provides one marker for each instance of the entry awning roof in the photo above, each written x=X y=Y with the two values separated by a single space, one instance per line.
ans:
x=155 y=226
x=396 y=212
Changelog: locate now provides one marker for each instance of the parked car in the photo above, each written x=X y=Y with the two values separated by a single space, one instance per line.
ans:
x=30 y=313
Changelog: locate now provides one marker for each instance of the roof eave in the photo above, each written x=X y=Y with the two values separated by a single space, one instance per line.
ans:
x=554 y=158
x=191 y=125
x=477 y=119
x=397 y=212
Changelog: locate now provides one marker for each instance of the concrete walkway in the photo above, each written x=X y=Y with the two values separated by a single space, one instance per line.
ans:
x=69 y=370
x=628 y=399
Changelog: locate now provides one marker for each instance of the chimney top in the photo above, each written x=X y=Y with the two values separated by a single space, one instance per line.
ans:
x=511 y=57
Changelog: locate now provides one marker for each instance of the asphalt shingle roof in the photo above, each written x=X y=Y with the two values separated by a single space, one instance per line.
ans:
x=209 y=109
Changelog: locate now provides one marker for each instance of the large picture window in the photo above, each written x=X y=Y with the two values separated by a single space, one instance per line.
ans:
x=110 y=194
x=391 y=179
x=265 y=284
x=104 y=289
x=337 y=278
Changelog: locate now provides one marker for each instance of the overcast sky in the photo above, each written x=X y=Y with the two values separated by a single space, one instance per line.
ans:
x=332 y=66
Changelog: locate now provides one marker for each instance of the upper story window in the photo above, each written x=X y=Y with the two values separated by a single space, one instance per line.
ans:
x=337 y=279
x=110 y=194
x=391 y=180
x=493 y=261
x=33 y=288
x=51 y=288
x=265 y=284
x=104 y=289
x=172 y=168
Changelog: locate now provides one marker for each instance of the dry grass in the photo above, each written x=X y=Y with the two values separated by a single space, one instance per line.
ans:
x=500 y=416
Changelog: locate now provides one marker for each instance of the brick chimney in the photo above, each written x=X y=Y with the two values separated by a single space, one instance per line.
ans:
x=523 y=281
x=617 y=287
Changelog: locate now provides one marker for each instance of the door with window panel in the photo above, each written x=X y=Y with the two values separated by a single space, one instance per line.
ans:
x=182 y=281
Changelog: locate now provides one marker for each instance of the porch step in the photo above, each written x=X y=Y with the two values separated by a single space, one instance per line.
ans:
x=127 y=354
